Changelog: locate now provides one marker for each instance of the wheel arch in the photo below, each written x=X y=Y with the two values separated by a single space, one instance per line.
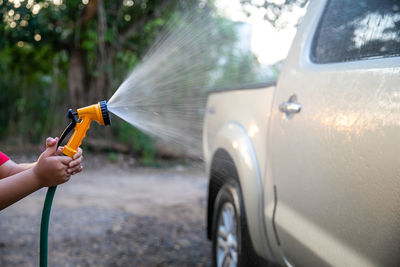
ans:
x=235 y=157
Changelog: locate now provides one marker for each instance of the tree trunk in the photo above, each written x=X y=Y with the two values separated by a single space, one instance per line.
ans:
x=76 y=78
x=102 y=80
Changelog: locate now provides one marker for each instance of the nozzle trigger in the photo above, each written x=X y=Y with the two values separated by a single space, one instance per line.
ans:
x=70 y=115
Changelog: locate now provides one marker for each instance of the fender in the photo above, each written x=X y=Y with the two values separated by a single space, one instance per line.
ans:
x=232 y=137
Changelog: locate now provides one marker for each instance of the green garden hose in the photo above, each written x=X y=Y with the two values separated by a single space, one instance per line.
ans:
x=44 y=225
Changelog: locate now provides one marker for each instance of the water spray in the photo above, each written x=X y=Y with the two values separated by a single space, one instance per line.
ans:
x=79 y=122
x=165 y=94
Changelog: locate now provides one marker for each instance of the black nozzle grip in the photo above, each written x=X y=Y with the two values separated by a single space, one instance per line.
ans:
x=70 y=127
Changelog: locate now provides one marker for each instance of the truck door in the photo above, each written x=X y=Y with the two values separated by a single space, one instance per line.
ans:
x=334 y=137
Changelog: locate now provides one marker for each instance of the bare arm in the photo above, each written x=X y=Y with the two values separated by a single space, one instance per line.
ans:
x=21 y=180
x=18 y=186
x=10 y=167
x=23 y=167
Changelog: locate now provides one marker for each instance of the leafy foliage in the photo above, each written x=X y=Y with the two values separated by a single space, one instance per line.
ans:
x=37 y=49
x=56 y=54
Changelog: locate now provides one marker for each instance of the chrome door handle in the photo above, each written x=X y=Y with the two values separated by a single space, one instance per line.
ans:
x=290 y=107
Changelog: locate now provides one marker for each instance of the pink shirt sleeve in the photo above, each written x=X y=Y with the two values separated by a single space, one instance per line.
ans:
x=3 y=158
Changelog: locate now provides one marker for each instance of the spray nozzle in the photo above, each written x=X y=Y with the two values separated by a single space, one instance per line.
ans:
x=105 y=113
x=97 y=112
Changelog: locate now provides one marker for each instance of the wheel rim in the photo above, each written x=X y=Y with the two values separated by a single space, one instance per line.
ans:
x=227 y=249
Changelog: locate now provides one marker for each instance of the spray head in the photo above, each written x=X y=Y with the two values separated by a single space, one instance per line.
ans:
x=97 y=112
x=105 y=113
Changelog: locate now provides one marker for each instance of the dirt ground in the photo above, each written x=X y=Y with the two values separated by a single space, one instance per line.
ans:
x=113 y=215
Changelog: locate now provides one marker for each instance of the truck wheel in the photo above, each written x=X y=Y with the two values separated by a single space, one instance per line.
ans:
x=227 y=228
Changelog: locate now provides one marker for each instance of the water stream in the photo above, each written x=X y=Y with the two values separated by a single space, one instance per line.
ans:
x=165 y=94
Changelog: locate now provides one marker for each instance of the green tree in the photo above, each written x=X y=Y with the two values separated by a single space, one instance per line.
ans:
x=56 y=54
x=90 y=32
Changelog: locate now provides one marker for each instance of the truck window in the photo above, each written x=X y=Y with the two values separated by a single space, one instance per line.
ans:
x=356 y=30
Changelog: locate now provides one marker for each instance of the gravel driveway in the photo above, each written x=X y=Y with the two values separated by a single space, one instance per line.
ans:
x=114 y=216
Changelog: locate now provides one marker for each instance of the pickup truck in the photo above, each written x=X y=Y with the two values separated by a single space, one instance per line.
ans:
x=306 y=171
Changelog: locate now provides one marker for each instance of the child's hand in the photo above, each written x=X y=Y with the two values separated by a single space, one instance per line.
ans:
x=75 y=165
x=51 y=170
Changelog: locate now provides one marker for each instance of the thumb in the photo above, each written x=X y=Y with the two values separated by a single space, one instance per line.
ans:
x=51 y=146
x=51 y=141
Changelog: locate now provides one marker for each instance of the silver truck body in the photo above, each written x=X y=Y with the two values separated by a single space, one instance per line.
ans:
x=320 y=187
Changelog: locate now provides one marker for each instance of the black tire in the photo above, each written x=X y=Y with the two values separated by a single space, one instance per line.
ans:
x=230 y=196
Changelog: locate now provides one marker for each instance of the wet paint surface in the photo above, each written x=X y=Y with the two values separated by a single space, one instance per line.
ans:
x=335 y=163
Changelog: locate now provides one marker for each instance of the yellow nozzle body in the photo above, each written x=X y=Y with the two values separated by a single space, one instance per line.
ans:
x=97 y=112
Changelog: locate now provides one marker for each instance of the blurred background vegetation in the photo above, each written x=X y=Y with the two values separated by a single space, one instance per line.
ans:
x=57 y=54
